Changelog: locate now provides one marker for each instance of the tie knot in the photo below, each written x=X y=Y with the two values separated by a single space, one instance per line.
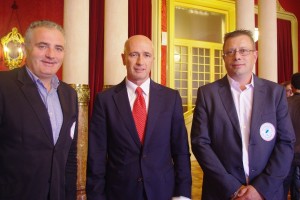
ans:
x=139 y=91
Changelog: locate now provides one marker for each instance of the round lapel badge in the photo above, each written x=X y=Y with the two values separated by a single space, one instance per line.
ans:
x=267 y=131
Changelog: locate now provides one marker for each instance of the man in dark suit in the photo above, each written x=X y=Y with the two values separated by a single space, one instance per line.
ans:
x=292 y=182
x=38 y=115
x=125 y=165
x=242 y=134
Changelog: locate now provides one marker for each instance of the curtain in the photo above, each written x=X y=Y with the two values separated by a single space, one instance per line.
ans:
x=285 y=52
x=139 y=17
x=96 y=48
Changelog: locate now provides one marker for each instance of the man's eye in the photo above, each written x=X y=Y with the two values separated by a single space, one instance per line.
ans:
x=133 y=54
x=243 y=50
x=60 y=49
x=42 y=46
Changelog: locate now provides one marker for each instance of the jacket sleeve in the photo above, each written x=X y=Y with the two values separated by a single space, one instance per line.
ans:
x=71 y=166
x=97 y=153
x=180 y=152
x=272 y=177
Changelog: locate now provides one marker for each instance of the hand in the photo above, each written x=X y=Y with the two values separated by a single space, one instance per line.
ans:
x=247 y=193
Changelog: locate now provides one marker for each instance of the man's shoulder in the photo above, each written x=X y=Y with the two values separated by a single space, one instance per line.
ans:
x=10 y=75
x=10 y=72
x=295 y=99
x=68 y=88
x=161 y=87
x=213 y=86
x=112 y=90
x=266 y=82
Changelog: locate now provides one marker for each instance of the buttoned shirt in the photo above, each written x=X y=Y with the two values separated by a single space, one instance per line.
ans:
x=51 y=101
x=243 y=100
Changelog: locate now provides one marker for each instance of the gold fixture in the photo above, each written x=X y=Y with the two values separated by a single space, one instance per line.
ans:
x=12 y=49
x=12 y=43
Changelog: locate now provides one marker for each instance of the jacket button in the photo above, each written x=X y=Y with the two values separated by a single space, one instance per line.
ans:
x=140 y=179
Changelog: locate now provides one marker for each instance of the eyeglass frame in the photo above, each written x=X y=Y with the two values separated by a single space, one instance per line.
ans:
x=242 y=52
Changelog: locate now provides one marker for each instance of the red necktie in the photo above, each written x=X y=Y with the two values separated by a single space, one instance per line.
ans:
x=139 y=113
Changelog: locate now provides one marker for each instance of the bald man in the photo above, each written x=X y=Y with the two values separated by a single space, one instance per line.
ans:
x=151 y=161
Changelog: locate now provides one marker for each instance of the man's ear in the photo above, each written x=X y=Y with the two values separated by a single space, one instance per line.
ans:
x=123 y=58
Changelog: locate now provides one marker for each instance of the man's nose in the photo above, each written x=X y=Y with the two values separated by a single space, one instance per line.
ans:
x=237 y=55
x=140 y=59
x=50 y=53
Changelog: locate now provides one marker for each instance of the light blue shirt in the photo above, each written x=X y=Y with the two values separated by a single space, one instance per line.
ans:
x=51 y=101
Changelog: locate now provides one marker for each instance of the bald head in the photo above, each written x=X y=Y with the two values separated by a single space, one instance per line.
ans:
x=137 y=39
x=138 y=58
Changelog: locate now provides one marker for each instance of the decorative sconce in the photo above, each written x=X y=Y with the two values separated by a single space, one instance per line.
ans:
x=12 y=49
x=12 y=44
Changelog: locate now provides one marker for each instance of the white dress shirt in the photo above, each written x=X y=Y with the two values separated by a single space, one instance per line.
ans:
x=243 y=100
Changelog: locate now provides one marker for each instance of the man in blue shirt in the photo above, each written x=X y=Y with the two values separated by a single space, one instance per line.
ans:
x=38 y=115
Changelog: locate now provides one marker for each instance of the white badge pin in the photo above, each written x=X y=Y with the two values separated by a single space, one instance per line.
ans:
x=267 y=131
x=72 y=130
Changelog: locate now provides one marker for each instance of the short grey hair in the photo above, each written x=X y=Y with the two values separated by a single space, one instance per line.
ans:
x=41 y=23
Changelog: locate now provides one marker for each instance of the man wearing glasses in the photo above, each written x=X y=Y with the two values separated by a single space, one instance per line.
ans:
x=242 y=134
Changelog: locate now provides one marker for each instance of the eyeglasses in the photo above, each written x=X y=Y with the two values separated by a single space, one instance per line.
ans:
x=242 y=52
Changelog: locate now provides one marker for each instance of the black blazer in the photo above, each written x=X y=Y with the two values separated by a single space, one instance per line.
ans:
x=31 y=166
x=294 y=110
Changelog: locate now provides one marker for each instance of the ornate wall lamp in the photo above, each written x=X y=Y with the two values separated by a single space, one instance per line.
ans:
x=12 y=44
x=12 y=49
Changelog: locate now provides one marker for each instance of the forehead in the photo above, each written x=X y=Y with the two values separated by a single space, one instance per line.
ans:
x=47 y=35
x=139 y=45
x=238 y=41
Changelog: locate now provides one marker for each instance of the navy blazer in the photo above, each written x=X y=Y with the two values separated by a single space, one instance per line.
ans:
x=31 y=166
x=217 y=145
x=119 y=167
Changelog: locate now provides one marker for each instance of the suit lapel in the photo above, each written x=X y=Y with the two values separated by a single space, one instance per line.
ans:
x=228 y=103
x=153 y=110
x=66 y=104
x=259 y=97
x=122 y=103
x=30 y=91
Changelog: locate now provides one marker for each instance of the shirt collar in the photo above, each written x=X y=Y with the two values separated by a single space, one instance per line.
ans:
x=131 y=87
x=236 y=85
x=54 y=81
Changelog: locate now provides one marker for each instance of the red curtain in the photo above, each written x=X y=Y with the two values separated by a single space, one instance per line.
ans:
x=96 y=48
x=285 y=51
x=139 y=17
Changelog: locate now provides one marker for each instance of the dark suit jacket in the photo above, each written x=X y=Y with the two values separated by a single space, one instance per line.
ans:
x=119 y=167
x=294 y=110
x=31 y=166
x=217 y=145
